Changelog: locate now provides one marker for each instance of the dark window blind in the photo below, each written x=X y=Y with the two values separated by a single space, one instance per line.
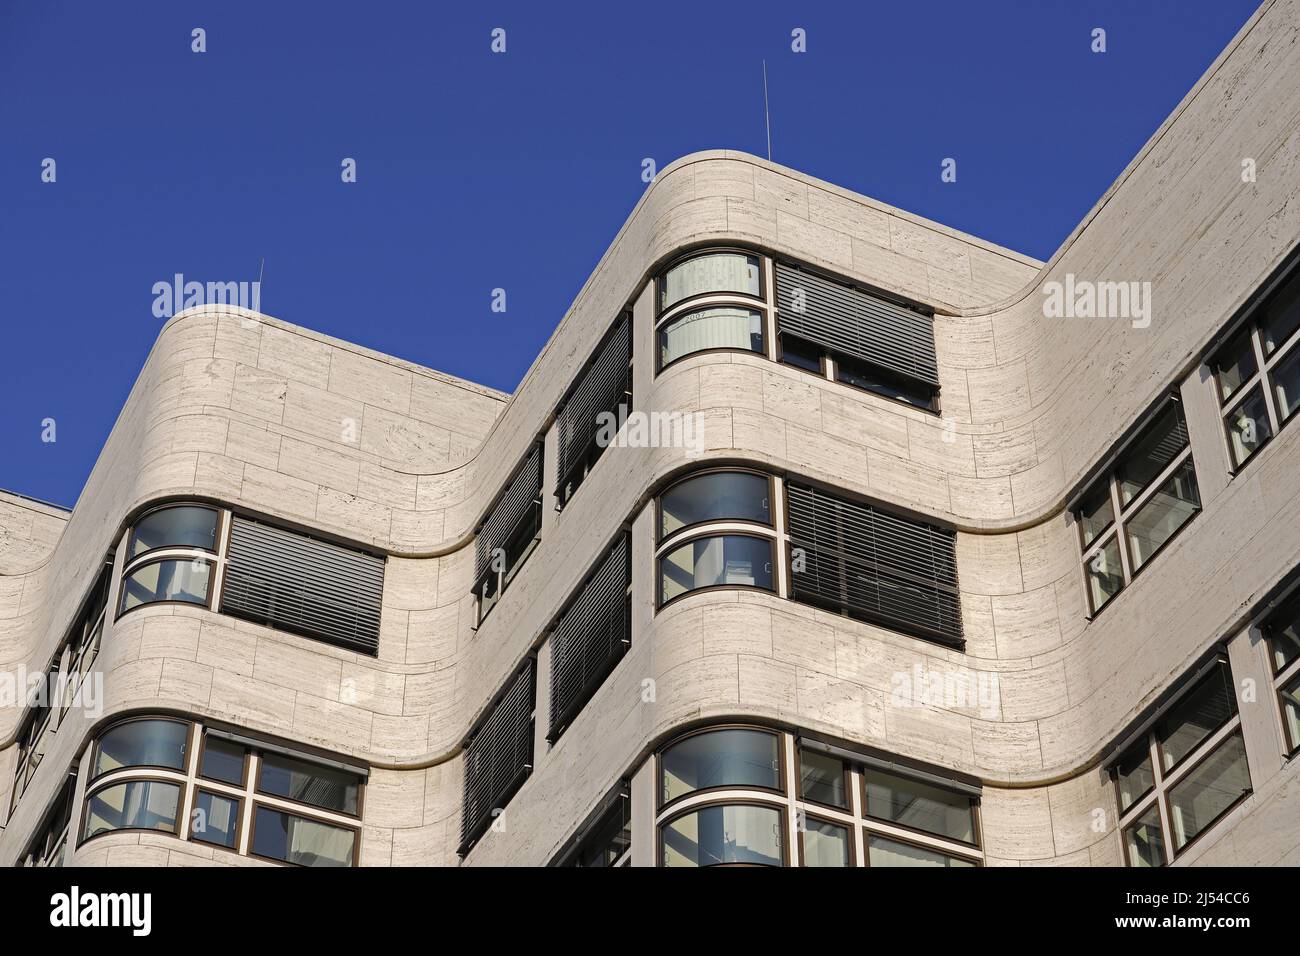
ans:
x=498 y=757
x=514 y=505
x=874 y=564
x=602 y=387
x=298 y=583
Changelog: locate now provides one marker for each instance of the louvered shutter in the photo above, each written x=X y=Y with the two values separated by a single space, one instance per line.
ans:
x=601 y=388
x=300 y=584
x=853 y=323
x=590 y=639
x=511 y=508
x=872 y=563
x=498 y=757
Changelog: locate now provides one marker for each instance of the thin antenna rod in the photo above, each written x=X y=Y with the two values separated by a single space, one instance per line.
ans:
x=767 y=116
x=260 y=270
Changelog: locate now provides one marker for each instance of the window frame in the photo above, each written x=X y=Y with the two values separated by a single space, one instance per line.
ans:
x=917 y=831
x=685 y=530
x=723 y=802
x=700 y=252
x=124 y=781
x=672 y=546
x=756 y=307
x=93 y=777
x=252 y=835
x=1282 y=677
x=662 y=805
x=848 y=828
x=218 y=521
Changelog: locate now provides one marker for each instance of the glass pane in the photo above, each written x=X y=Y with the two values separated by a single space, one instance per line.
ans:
x=222 y=760
x=821 y=779
x=717 y=496
x=715 y=835
x=1134 y=776
x=724 y=561
x=1283 y=631
x=1105 y=575
x=322 y=787
x=280 y=836
x=1172 y=505
x=182 y=580
x=825 y=844
x=184 y=527
x=1282 y=314
x=1096 y=511
x=861 y=375
x=1197 y=800
x=882 y=852
x=136 y=805
x=1248 y=426
x=1206 y=708
x=1236 y=363
x=1145 y=842
x=721 y=758
x=609 y=840
x=142 y=743
x=215 y=819
x=920 y=806
x=715 y=272
x=1151 y=453
x=1291 y=712
x=801 y=354
x=1286 y=384
x=725 y=327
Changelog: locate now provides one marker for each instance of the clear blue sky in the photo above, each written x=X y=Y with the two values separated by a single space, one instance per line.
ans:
x=478 y=171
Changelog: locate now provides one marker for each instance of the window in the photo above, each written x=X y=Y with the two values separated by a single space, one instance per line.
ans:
x=141 y=743
x=1257 y=372
x=498 y=757
x=509 y=534
x=184 y=526
x=592 y=636
x=718 y=327
x=869 y=563
x=184 y=581
x=728 y=796
x=604 y=388
x=605 y=842
x=720 y=758
x=1152 y=489
x=48 y=846
x=304 y=811
x=710 y=273
x=1185 y=772
x=720 y=561
x=300 y=584
x=715 y=496
x=855 y=337
x=170 y=557
x=1282 y=629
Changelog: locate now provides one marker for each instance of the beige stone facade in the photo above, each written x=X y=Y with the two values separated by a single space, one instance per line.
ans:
x=271 y=419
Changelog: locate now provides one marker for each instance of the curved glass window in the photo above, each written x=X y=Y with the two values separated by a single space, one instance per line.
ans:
x=721 y=561
x=179 y=580
x=134 y=805
x=715 y=496
x=722 y=327
x=185 y=526
x=732 y=757
x=142 y=743
x=713 y=272
x=714 y=836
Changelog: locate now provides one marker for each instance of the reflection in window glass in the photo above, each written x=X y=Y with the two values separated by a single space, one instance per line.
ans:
x=721 y=758
x=1248 y=426
x=1134 y=775
x=1291 y=712
x=222 y=760
x=1206 y=708
x=1145 y=842
x=215 y=819
x=1208 y=790
x=1172 y=505
x=918 y=805
x=1286 y=385
x=186 y=526
x=282 y=836
x=142 y=743
x=825 y=844
x=1282 y=314
x=715 y=272
x=821 y=779
x=725 y=327
x=865 y=376
x=1105 y=576
x=716 y=496
x=183 y=580
x=1236 y=363
x=323 y=787
x=882 y=852
x=1096 y=511
x=718 y=835
x=800 y=354
x=1283 y=631
x=720 y=561
x=134 y=805
x=1158 y=445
